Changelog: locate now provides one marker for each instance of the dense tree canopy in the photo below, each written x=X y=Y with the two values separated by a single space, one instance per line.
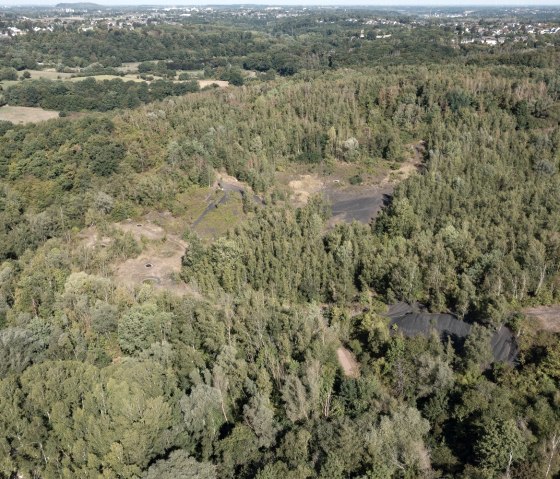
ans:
x=237 y=375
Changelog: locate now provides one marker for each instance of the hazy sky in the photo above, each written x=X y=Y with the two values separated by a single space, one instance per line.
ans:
x=381 y=3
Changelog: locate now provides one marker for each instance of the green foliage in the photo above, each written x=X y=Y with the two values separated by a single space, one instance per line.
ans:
x=180 y=466
x=141 y=326
x=8 y=74
x=90 y=94
x=501 y=444
x=238 y=376
x=397 y=444
x=81 y=418
x=104 y=157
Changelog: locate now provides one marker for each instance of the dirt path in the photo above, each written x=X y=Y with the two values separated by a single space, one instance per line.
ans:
x=348 y=362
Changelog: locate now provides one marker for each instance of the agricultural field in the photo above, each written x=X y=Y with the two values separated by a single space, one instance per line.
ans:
x=49 y=74
x=206 y=83
x=21 y=115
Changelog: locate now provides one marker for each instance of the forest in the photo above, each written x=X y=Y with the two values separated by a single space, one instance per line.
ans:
x=315 y=42
x=90 y=94
x=236 y=372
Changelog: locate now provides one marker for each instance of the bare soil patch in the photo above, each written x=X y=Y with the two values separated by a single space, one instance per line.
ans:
x=407 y=168
x=348 y=362
x=304 y=187
x=26 y=114
x=159 y=264
x=92 y=239
x=547 y=318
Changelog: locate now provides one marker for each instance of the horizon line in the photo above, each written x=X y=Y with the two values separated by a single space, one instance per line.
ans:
x=388 y=4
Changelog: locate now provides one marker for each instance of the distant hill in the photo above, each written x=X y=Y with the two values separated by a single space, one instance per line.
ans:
x=81 y=6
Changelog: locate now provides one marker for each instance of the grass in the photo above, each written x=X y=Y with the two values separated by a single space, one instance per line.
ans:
x=53 y=75
x=192 y=73
x=190 y=204
x=129 y=67
x=220 y=220
x=8 y=83
x=108 y=77
x=48 y=75
x=25 y=114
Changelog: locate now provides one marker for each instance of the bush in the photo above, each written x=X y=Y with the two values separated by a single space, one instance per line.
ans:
x=8 y=74
x=356 y=180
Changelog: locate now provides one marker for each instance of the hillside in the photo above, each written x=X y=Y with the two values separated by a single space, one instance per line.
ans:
x=336 y=272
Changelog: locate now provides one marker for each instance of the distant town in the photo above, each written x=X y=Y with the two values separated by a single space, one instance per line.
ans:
x=471 y=26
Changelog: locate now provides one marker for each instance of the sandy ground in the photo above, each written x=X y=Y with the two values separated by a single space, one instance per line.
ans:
x=25 y=114
x=159 y=264
x=547 y=318
x=348 y=362
x=304 y=187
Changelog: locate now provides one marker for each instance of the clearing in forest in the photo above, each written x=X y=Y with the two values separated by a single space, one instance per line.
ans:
x=304 y=187
x=348 y=362
x=220 y=83
x=128 y=67
x=20 y=115
x=159 y=263
x=547 y=318
x=354 y=195
x=49 y=74
x=223 y=207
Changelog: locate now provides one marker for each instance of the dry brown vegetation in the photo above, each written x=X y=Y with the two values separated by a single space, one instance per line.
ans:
x=220 y=83
x=304 y=187
x=546 y=318
x=25 y=114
